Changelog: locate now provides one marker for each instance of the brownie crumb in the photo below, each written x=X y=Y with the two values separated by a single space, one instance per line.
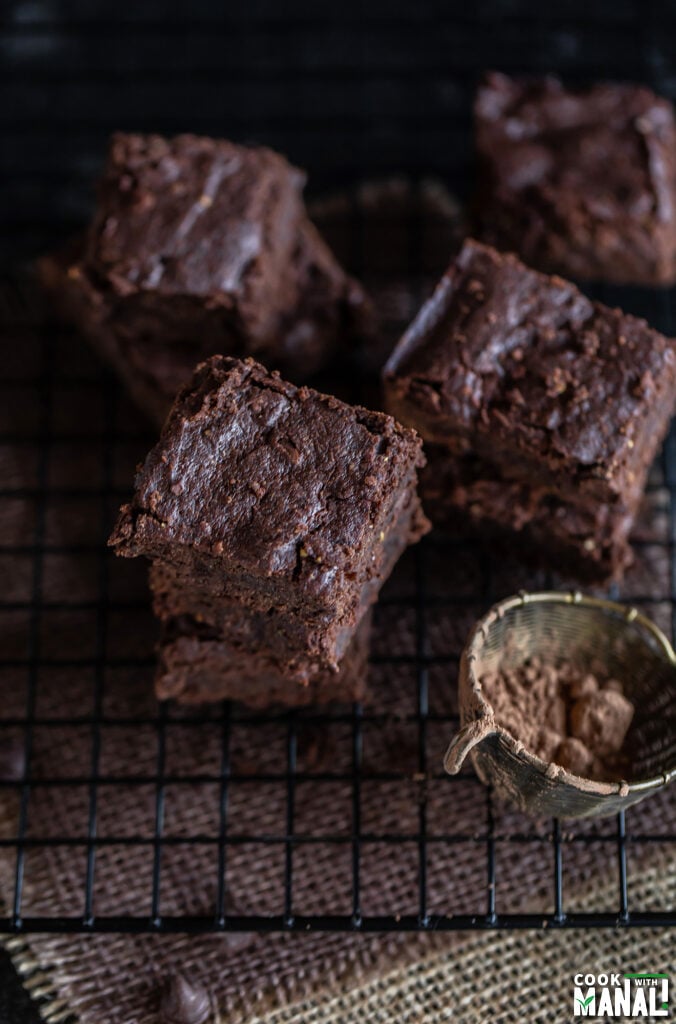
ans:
x=578 y=720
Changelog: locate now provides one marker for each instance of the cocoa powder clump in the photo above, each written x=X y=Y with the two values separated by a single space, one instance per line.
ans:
x=578 y=720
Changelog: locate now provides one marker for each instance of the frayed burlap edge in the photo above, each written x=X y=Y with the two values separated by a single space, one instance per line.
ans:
x=506 y=977
x=464 y=977
x=40 y=981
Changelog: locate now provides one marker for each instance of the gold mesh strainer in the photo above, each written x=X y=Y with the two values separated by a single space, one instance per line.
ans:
x=584 y=631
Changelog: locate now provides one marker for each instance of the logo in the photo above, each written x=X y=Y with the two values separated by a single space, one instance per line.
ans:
x=621 y=995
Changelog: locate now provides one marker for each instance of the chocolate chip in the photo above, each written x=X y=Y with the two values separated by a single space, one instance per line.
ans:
x=184 y=1002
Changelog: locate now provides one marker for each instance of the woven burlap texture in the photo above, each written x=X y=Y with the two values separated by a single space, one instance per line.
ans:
x=509 y=979
x=323 y=980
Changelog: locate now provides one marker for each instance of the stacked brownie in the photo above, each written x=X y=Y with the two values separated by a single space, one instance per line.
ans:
x=198 y=247
x=541 y=410
x=272 y=515
x=580 y=182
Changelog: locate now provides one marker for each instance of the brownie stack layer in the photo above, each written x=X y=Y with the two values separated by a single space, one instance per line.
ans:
x=199 y=246
x=467 y=496
x=197 y=665
x=272 y=515
x=541 y=410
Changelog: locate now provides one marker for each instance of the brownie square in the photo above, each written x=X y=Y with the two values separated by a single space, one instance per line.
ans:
x=199 y=246
x=580 y=182
x=469 y=497
x=195 y=666
x=194 y=216
x=275 y=497
x=526 y=372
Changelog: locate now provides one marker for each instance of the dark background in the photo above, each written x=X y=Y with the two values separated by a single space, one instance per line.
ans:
x=348 y=90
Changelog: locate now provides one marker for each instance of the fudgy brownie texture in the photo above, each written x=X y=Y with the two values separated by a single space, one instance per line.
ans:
x=307 y=647
x=274 y=496
x=200 y=246
x=195 y=216
x=288 y=641
x=466 y=496
x=196 y=667
x=528 y=373
x=580 y=182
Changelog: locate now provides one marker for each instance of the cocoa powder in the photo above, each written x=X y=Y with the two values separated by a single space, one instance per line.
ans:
x=578 y=720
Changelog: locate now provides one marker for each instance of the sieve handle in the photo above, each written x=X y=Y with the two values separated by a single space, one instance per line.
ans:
x=469 y=735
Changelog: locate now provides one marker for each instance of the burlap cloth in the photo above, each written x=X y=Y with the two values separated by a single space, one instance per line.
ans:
x=335 y=977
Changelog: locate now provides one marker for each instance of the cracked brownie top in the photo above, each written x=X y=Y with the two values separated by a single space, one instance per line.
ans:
x=582 y=181
x=282 y=490
x=193 y=215
x=526 y=370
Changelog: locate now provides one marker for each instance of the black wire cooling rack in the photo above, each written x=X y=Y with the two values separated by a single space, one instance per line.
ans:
x=72 y=619
x=117 y=814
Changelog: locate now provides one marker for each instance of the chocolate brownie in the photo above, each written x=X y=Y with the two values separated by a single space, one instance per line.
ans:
x=199 y=246
x=320 y=637
x=195 y=667
x=273 y=631
x=580 y=182
x=468 y=497
x=526 y=372
x=274 y=496
x=306 y=647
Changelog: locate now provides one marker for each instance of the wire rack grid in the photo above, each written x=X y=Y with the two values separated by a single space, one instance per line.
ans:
x=329 y=819
x=117 y=814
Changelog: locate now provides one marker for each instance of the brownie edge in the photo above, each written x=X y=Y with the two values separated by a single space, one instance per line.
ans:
x=469 y=498
x=527 y=372
x=194 y=668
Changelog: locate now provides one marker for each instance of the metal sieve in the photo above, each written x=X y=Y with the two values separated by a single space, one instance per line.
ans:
x=585 y=631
